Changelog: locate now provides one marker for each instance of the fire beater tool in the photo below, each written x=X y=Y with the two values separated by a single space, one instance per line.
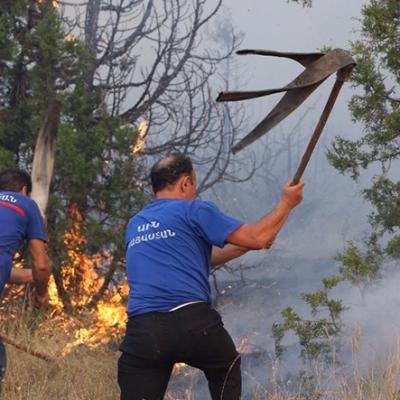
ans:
x=318 y=67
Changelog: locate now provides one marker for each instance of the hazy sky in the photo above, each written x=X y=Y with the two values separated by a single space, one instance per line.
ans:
x=277 y=24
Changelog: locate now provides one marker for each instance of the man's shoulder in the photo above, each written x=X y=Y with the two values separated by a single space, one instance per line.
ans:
x=163 y=210
x=202 y=205
x=160 y=205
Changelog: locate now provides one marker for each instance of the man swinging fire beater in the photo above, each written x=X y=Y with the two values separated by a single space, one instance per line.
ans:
x=20 y=221
x=170 y=246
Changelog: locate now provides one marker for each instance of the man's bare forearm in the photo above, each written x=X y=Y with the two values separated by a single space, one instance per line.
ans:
x=41 y=267
x=268 y=227
x=41 y=275
x=226 y=254
x=261 y=234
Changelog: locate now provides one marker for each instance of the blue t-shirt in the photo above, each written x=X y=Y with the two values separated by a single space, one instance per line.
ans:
x=168 y=253
x=20 y=220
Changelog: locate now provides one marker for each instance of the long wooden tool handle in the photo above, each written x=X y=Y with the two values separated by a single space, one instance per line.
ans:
x=25 y=348
x=319 y=128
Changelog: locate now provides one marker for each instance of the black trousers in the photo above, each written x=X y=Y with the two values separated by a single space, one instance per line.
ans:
x=194 y=335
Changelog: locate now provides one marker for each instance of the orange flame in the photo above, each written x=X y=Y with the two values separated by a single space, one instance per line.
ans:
x=81 y=275
x=53 y=294
x=70 y=38
x=110 y=320
x=54 y=3
x=79 y=271
x=141 y=140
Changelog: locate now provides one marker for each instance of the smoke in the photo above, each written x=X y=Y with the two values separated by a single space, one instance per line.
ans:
x=373 y=316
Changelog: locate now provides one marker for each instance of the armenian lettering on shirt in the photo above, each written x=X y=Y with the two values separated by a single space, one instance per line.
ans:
x=8 y=197
x=150 y=231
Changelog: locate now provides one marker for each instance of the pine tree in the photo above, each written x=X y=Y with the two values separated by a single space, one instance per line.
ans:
x=377 y=107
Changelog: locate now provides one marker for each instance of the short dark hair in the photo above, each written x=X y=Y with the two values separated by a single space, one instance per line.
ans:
x=13 y=180
x=168 y=170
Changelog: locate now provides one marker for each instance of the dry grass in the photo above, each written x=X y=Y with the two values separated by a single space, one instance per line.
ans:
x=90 y=373
x=83 y=374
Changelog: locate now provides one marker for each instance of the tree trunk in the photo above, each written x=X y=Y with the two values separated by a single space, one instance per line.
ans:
x=43 y=160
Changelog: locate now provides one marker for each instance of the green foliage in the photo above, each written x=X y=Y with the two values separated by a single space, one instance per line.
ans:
x=358 y=268
x=315 y=335
x=385 y=197
x=376 y=106
x=393 y=247
x=35 y=61
x=304 y=3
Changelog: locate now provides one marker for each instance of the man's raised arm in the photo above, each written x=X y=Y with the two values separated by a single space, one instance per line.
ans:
x=261 y=234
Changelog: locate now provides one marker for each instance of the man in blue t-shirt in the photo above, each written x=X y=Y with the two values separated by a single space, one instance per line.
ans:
x=21 y=221
x=171 y=244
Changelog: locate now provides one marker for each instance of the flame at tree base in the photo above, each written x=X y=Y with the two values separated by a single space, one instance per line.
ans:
x=108 y=324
